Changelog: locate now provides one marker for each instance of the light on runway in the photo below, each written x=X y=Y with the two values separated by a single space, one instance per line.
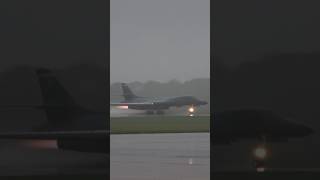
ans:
x=190 y=161
x=123 y=107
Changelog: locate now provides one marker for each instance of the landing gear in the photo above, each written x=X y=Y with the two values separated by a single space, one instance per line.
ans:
x=260 y=166
x=191 y=111
x=260 y=155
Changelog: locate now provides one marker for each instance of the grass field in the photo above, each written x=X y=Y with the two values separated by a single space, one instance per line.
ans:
x=159 y=124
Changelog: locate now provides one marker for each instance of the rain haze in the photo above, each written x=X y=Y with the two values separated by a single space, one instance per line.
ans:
x=159 y=40
x=266 y=56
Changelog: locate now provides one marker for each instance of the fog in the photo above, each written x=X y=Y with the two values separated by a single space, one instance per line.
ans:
x=159 y=40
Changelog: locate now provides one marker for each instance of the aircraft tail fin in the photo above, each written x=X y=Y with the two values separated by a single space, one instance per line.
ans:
x=53 y=93
x=127 y=93
x=59 y=105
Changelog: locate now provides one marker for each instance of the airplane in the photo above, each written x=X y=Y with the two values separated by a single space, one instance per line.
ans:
x=132 y=101
x=227 y=127
x=79 y=129
x=258 y=125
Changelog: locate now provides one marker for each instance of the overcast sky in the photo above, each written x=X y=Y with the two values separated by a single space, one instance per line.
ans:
x=46 y=34
x=159 y=40
x=249 y=29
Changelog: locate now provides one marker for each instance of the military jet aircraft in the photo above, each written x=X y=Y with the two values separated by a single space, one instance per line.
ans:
x=79 y=129
x=132 y=101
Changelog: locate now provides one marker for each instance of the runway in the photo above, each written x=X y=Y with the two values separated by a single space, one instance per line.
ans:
x=116 y=112
x=160 y=156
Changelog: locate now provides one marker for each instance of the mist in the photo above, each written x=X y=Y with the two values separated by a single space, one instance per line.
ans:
x=159 y=40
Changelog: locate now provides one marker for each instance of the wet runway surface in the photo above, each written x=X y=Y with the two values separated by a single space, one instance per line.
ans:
x=160 y=156
x=17 y=159
x=116 y=112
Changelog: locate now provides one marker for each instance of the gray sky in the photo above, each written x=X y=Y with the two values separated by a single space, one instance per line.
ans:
x=159 y=40
x=249 y=29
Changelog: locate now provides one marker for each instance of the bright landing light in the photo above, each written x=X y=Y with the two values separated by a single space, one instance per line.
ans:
x=260 y=152
x=191 y=109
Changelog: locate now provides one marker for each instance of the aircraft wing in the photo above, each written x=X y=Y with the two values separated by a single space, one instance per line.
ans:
x=94 y=134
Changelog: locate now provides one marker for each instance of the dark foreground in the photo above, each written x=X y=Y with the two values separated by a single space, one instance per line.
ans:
x=20 y=160
x=55 y=177
x=292 y=175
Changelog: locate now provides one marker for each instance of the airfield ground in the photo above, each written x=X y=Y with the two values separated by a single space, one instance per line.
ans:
x=159 y=124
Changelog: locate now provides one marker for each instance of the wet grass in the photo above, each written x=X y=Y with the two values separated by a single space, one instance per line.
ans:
x=159 y=124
